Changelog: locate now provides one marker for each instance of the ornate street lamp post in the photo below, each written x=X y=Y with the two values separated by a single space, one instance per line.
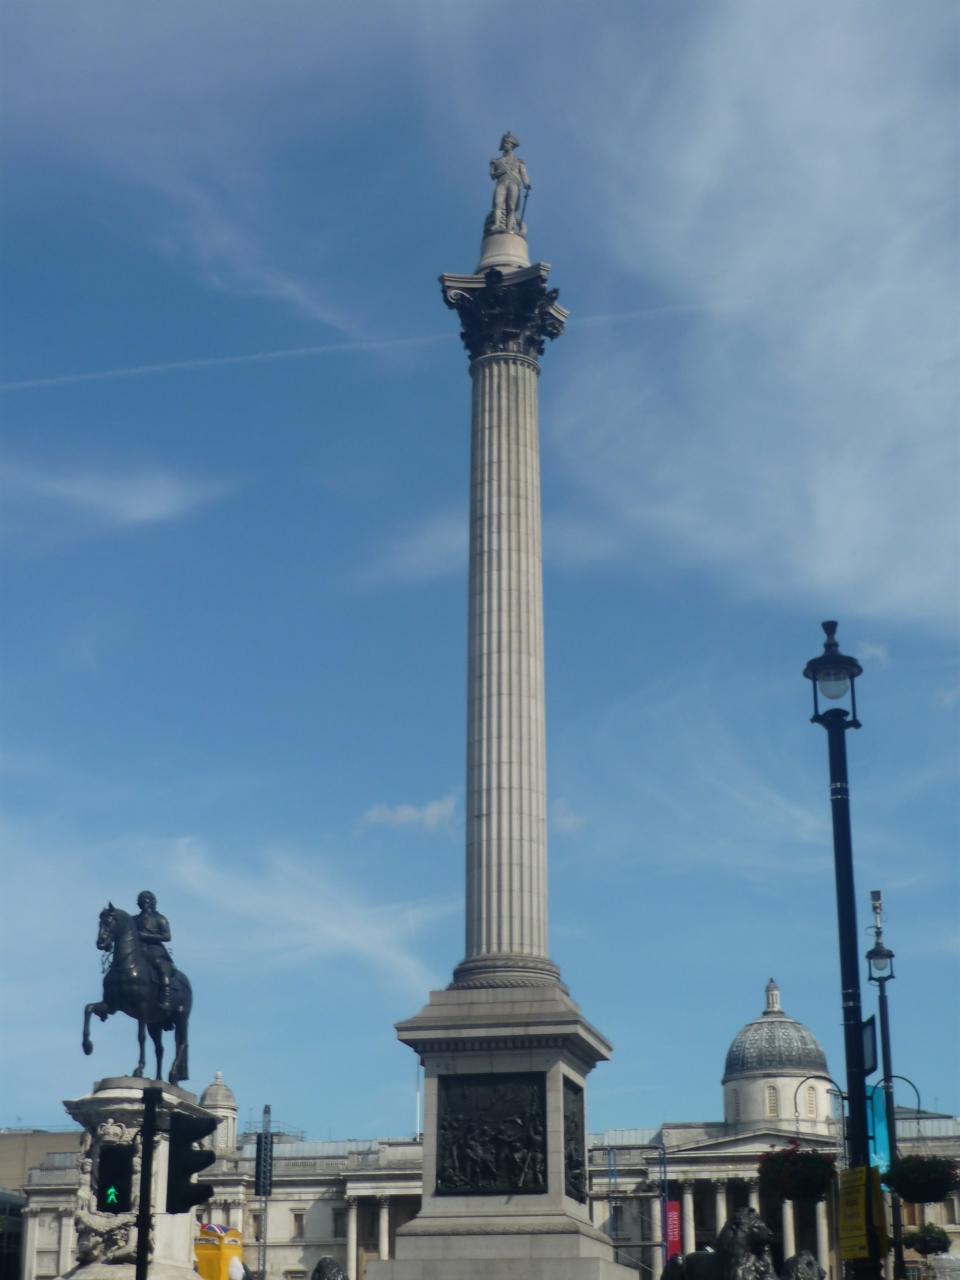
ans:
x=880 y=968
x=833 y=675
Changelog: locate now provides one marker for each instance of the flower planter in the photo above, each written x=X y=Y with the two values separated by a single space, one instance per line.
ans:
x=926 y=1240
x=922 y=1179
x=794 y=1174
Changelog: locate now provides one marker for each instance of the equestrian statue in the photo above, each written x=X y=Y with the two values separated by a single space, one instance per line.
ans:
x=142 y=982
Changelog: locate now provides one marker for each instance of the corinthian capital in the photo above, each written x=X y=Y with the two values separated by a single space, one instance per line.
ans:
x=505 y=314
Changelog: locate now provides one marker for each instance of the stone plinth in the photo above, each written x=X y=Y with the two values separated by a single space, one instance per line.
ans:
x=107 y=1243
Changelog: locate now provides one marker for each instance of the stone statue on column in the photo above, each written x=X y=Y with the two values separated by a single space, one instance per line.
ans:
x=510 y=174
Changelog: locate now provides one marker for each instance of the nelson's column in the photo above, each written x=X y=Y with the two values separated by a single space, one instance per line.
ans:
x=505 y=1050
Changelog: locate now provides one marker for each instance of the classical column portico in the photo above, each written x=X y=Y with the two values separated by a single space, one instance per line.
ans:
x=789 y=1230
x=656 y=1237
x=351 y=1238
x=31 y=1232
x=383 y=1228
x=65 y=1243
x=753 y=1190
x=823 y=1236
x=688 y=1228
x=720 y=1189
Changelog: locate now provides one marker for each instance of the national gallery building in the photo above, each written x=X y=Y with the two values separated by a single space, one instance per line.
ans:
x=346 y=1200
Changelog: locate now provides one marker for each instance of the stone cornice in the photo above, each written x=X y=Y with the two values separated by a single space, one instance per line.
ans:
x=505 y=313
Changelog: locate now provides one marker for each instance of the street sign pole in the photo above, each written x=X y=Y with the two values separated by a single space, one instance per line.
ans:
x=148 y=1133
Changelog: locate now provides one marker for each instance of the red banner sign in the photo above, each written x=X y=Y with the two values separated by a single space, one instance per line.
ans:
x=674 y=1233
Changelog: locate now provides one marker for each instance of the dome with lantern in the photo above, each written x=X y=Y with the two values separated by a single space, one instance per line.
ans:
x=776 y=1071
x=218 y=1099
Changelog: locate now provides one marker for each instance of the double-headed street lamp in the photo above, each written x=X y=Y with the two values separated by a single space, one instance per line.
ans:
x=833 y=675
x=880 y=962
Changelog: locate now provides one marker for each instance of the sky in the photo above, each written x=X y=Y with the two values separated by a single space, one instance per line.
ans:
x=234 y=467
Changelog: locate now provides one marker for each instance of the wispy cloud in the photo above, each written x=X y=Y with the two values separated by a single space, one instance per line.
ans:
x=46 y=506
x=435 y=547
x=296 y=911
x=563 y=819
x=798 y=436
x=432 y=816
x=213 y=362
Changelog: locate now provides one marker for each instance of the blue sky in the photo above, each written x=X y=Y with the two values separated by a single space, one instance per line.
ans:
x=234 y=485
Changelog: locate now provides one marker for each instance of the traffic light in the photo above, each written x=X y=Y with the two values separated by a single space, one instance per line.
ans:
x=263 y=1169
x=184 y=1161
x=115 y=1178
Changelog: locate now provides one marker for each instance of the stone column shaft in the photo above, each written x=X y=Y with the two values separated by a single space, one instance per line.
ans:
x=823 y=1237
x=689 y=1230
x=789 y=1231
x=506 y=766
x=351 y=1238
x=753 y=1187
x=384 y=1229
x=721 y=1203
x=656 y=1236
x=505 y=318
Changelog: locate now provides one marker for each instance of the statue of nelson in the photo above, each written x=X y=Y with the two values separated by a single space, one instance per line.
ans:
x=510 y=174
x=154 y=931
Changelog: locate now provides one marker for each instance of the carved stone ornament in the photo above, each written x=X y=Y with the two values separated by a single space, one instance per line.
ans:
x=505 y=314
x=492 y=1134
x=574 y=1142
x=110 y=1131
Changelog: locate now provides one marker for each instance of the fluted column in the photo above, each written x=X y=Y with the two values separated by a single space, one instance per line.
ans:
x=688 y=1228
x=720 y=1189
x=505 y=319
x=823 y=1236
x=656 y=1237
x=789 y=1231
x=383 y=1228
x=351 y=1238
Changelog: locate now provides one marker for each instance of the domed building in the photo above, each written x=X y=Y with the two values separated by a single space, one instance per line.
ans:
x=219 y=1100
x=776 y=1074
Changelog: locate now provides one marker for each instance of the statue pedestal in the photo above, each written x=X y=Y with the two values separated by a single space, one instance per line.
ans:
x=112 y=1115
x=504 y=1143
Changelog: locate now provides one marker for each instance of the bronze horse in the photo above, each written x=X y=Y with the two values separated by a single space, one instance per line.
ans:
x=130 y=986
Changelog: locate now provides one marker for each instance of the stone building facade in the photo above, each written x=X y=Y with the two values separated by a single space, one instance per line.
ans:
x=346 y=1200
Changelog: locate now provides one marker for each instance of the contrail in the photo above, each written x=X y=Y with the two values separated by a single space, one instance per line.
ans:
x=211 y=362
x=292 y=353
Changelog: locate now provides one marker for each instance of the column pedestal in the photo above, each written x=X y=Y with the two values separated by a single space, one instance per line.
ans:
x=106 y=1243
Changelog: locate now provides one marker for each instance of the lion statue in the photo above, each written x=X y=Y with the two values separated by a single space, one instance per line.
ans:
x=328 y=1269
x=802 y=1266
x=743 y=1253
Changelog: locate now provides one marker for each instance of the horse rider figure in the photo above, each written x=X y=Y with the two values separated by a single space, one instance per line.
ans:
x=509 y=173
x=154 y=931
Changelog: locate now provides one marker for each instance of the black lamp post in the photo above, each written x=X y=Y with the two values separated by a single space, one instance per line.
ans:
x=833 y=674
x=880 y=968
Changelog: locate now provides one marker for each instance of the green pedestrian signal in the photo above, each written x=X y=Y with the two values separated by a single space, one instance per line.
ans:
x=115 y=1178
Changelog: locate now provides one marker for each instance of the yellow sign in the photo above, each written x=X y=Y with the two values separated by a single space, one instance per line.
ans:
x=852 y=1215
x=215 y=1249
